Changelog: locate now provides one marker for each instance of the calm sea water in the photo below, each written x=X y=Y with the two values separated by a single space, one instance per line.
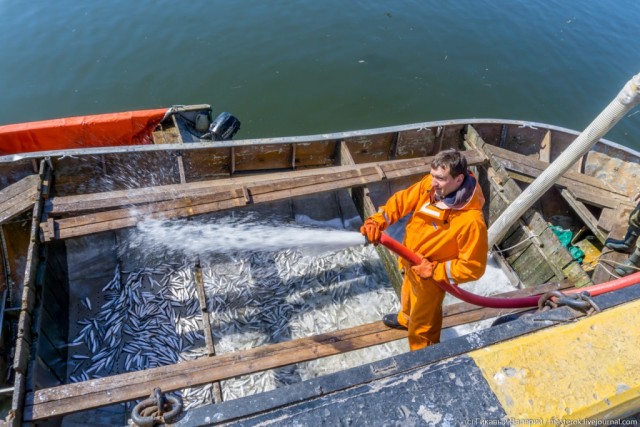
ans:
x=306 y=67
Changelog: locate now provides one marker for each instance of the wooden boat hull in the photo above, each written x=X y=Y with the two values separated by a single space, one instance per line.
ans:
x=85 y=196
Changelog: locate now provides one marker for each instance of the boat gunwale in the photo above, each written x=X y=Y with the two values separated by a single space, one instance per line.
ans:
x=7 y=159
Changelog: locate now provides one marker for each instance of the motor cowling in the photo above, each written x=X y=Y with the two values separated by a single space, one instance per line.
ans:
x=223 y=127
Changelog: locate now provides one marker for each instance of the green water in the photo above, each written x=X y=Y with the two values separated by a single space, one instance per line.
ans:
x=306 y=67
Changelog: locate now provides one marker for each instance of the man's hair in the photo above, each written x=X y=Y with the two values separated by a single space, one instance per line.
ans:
x=451 y=159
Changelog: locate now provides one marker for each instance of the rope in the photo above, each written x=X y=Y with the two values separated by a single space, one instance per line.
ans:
x=519 y=243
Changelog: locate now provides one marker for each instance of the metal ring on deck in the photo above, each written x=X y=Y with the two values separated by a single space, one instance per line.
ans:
x=151 y=411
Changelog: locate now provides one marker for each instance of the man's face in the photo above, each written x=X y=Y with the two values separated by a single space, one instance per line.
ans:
x=443 y=184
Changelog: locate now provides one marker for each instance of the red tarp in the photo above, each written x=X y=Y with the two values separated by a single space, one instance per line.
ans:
x=103 y=130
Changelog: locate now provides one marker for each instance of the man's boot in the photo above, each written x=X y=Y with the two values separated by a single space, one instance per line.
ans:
x=391 y=321
x=631 y=265
x=625 y=245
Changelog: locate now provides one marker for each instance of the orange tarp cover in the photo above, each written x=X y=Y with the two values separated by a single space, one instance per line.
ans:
x=102 y=130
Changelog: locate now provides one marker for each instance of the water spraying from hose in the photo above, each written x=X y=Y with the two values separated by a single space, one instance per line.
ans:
x=229 y=235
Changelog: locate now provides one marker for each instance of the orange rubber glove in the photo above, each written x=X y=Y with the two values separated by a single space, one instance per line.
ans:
x=425 y=268
x=372 y=230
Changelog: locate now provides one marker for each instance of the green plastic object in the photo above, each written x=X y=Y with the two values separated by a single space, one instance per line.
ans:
x=565 y=237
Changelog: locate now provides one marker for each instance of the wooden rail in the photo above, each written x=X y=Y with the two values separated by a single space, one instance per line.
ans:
x=181 y=201
x=70 y=398
x=585 y=188
x=19 y=197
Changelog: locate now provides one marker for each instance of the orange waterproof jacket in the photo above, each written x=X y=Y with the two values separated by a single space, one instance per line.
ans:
x=455 y=238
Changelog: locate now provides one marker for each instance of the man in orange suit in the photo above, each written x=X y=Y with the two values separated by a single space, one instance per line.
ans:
x=447 y=230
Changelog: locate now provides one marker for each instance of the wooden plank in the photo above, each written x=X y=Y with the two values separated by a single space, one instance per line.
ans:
x=412 y=143
x=230 y=197
x=202 y=299
x=612 y=216
x=61 y=400
x=278 y=156
x=18 y=197
x=592 y=197
x=207 y=163
x=532 y=268
x=206 y=321
x=178 y=134
x=310 y=154
x=365 y=207
x=521 y=243
x=216 y=200
x=104 y=200
x=183 y=179
x=545 y=148
x=584 y=214
x=617 y=222
x=548 y=246
x=4 y=275
x=577 y=182
x=370 y=148
x=22 y=353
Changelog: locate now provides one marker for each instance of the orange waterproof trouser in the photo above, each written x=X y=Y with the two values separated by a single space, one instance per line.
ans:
x=421 y=310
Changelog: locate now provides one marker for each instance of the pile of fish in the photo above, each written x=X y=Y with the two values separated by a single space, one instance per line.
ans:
x=147 y=321
x=151 y=316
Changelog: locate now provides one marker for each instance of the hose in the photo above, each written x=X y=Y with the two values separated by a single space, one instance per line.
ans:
x=495 y=302
x=628 y=97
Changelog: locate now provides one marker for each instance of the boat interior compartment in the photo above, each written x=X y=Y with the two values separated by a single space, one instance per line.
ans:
x=125 y=301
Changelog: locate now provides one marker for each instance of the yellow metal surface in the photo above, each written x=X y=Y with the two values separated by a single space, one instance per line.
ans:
x=591 y=254
x=588 y=369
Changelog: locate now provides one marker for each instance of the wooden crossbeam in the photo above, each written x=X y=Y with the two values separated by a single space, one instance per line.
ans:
x=70 y=398
x=19 y=197
x=125 y=198
x=583 y=212
x=585 y=188
x=544 y=257
x=180 y=201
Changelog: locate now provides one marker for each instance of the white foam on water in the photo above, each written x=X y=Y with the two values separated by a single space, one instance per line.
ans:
x=230 y=235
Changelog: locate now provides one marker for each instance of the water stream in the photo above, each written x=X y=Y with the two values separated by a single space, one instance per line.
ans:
x=250 y=234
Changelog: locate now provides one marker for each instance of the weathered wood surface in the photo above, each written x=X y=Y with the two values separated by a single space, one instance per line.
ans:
x=19 y=197
x=24 y=338
x=585 y=188
x=617 y=222
x=583 y=212
x=61 y=400
x=541 y=257
x=186 y=203
x=206 y=321
x=114 y=199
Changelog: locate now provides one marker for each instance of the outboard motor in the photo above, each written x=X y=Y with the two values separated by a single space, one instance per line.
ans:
x=223 y=128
